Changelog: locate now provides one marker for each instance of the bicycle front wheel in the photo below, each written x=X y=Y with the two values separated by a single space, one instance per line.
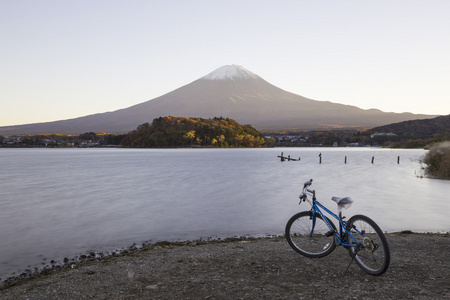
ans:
x=374 y=255
x=307 y=241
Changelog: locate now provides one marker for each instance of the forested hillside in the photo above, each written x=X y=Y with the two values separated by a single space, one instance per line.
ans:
x=188 y=132
x=416 y=133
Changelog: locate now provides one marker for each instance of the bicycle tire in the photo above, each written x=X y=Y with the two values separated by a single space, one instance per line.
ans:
x=298 y=230
x=375 y=257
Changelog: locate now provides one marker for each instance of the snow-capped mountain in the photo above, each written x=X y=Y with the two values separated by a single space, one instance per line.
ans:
x=230 y=91
x=231 y=72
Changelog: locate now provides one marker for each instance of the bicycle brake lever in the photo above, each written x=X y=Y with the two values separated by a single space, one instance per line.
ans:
x=302 y=197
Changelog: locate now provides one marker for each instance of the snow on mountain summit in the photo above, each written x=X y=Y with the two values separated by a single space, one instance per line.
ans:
x=230 y=72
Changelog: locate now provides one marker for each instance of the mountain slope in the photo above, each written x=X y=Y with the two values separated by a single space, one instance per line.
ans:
x=232 y=92
x=417 y=128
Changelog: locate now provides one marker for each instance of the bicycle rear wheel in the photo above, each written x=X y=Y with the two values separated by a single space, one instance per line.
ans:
x=374 y=257
x=313 y=244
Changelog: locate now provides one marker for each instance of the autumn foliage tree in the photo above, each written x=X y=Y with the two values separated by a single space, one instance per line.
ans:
x=189 y=132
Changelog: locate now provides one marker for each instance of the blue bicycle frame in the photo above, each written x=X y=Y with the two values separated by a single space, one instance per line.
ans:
x=342 y=224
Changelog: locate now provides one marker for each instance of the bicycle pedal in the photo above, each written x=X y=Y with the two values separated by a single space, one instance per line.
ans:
x=330 y=233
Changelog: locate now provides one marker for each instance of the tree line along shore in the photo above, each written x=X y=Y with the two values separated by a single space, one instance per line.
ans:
x=172 y=132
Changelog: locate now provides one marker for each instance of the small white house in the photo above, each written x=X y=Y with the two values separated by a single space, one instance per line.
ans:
x=388 y=134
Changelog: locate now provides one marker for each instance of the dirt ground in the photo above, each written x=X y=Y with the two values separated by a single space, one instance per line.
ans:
x=249 y=269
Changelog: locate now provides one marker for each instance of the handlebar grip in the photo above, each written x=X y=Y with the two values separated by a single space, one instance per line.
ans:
x=308 y=183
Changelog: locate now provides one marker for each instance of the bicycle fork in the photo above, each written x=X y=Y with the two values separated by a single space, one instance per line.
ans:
x=313 y=216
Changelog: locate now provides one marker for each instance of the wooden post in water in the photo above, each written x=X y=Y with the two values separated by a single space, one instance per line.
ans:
x=373 y=157
x=398 y=159
x=346 y=159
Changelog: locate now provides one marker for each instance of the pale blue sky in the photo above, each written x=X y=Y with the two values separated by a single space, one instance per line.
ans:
x=65 y=59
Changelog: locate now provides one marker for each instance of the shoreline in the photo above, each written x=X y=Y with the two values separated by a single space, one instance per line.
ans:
x=96 y=256
x=196 y=267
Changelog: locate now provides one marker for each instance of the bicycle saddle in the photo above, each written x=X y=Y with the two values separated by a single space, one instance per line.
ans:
x=345 y=202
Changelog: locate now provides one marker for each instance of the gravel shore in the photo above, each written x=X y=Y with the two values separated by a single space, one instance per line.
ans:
x=249 y=269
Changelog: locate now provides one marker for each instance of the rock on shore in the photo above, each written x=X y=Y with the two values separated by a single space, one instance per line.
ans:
x=249 y=269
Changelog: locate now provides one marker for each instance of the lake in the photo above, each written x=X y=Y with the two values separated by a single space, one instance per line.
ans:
x=57 y=203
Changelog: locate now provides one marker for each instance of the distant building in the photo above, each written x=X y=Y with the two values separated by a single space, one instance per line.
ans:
x=14 y=140
x=353 y=145
x=386 y=134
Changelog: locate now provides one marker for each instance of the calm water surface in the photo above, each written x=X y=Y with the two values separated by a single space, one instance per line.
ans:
x=57 y=203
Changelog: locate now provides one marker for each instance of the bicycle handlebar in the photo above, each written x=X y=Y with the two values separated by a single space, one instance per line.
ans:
x=308 y=183
x=305 y=189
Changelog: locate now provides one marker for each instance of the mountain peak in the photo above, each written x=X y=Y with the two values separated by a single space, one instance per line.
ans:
x=230 y=72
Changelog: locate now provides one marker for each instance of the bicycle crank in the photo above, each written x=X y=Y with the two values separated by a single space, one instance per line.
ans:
x=368 y=245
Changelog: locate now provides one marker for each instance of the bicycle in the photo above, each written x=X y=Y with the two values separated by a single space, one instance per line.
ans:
x=314 y=235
